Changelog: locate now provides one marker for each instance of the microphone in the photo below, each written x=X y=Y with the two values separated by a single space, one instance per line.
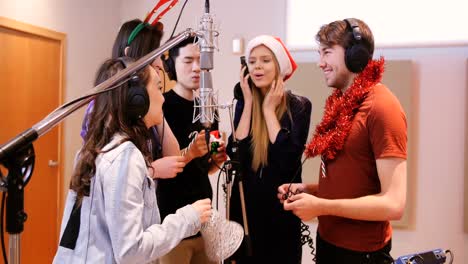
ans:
x=206 y=36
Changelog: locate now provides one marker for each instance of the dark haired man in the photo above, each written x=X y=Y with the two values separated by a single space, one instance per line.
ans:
x=183 y=66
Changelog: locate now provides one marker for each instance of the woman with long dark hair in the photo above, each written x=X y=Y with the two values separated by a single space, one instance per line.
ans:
x=111 y=213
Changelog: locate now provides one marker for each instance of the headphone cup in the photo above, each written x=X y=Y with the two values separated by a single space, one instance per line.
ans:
x=357 y=55
x=356 y=58
x=138 y=101
x=169 y=67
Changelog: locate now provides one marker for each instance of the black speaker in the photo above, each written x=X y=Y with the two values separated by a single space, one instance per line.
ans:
x=357 y=55
x=169 y=67
x=137 y=96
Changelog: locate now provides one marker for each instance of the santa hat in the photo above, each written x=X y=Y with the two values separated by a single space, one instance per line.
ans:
x=286 y=63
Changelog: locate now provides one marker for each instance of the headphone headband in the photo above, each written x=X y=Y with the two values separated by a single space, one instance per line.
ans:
x=137 y=97
x=354 y=26
x=357 y=54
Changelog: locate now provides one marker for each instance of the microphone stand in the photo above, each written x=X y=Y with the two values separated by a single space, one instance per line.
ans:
x=207 y=105
x=17 y=155
x=234 y=170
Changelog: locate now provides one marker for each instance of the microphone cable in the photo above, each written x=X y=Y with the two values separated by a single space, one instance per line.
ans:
x=306 y=237
x=164 y=116
x=2 y=222
x=448 y=251
x=178 y=18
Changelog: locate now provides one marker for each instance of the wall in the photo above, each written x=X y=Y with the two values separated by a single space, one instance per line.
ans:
x=441 y=75
x=90 y=27
x=442 y=102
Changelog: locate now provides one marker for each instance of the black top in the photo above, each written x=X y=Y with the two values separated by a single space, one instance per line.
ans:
x=275 y=233
x=192 y=183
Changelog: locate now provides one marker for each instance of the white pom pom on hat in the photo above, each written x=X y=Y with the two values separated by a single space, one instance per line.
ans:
x=286 y=63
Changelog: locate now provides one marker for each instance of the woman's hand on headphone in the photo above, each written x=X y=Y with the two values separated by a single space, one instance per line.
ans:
x=244 y=83
x=274 y=96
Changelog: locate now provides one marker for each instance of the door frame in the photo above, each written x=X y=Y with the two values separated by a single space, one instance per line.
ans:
x=61 y=38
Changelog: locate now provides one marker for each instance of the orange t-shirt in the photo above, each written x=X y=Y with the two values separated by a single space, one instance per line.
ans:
x=378 y=131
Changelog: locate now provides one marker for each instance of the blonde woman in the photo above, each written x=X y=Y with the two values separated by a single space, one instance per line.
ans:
x=272 y=125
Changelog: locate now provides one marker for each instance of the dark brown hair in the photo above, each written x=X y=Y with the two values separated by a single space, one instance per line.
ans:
x=107 y=119
x=147 y=40
x=338 y=33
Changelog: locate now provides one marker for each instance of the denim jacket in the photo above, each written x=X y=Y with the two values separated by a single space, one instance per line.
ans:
x=119 y=221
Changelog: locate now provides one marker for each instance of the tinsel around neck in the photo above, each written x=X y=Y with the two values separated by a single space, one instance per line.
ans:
x=331 y=134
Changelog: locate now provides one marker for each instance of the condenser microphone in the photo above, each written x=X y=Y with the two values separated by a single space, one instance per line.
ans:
x=206 y=35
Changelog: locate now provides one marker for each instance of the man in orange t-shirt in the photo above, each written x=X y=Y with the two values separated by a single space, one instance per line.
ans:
x=362 y=144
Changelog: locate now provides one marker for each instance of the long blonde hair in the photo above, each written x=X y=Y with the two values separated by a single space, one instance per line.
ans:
x=259 y=130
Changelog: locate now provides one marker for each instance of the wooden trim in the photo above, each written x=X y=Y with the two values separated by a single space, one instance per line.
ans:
x=465 y=190
x=61 y=38
x=31 y=29
x=61 y=145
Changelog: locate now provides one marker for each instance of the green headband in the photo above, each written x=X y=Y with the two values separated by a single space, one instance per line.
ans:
x=135 y=32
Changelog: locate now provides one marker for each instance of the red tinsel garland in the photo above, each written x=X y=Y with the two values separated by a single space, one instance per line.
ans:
x=340 y=108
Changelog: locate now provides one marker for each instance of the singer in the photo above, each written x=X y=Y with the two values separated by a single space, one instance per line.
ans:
x=183 y=66
x=362 y=143
x=111 y=214
x=135 y=39
x=271 y=125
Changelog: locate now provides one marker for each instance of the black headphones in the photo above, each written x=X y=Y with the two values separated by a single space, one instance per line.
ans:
x=169 y=66
x=357 y=55
x=137 y=96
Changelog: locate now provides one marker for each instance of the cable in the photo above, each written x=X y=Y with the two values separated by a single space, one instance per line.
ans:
x=164 y=118
x=217 y=189
x=389 y=258
x=451 y=255
x=2 y=215
x=216 y=164
x=207 y=141
x=289 y=193
x=306 y=238
x=178 y=18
